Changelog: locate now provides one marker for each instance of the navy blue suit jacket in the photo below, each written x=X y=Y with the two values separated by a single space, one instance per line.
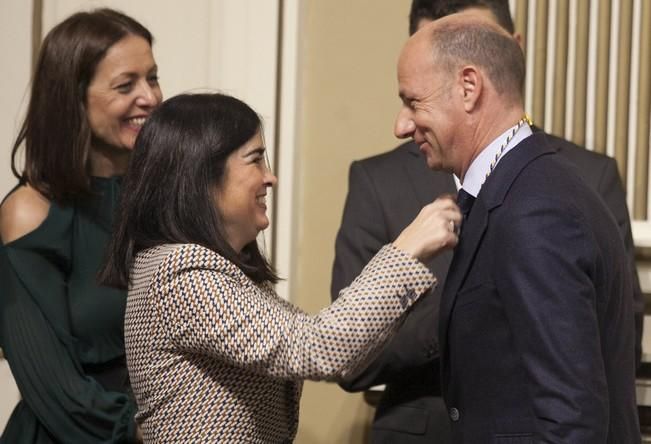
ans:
x=536 y=320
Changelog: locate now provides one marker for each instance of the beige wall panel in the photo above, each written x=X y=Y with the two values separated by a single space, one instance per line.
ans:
x=581 y=73
x=540 y=64
x=601 y=99
x=623 y=86
x=520 y=13
x=347 y=103
x=15 y=48
x=560 y=63
x=640 y=210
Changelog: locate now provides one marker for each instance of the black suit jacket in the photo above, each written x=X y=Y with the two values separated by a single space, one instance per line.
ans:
x=385 y=193
x=536 y=319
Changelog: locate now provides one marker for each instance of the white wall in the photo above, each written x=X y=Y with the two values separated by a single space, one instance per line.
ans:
x=15 y=48
x=15 y=43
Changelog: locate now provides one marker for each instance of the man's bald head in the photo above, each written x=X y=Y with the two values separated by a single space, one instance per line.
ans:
x=467 y=38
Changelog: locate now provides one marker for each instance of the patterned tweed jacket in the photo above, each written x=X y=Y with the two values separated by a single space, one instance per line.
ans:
x=214 y=357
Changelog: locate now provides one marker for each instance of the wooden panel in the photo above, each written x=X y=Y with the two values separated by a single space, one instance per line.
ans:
x=521 y=11
x=603 y=63
x=540 y=64
x=37 y=29
x=623 y=79
x=640 y=209
x=560 y=67
x=581 y=72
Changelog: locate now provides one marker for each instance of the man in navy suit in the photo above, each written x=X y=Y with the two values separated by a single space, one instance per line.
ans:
x=385 y=192
x=536 y=330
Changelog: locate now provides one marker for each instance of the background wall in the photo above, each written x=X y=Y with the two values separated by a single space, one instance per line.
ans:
x=15 y=49
x=347 y=103
x=15 y=46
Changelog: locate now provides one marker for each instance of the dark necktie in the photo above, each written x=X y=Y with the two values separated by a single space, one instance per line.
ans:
x=464 y=201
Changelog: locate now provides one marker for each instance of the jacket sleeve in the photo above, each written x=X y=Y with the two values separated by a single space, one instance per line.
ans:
x=362 y=233
x=612 y=192
x=40 y=351
x=212 y=311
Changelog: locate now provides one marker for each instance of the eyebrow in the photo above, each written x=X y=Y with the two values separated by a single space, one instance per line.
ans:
x=131 y=74
x=259 y=150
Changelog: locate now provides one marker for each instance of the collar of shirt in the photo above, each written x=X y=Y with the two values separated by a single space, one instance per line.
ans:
x=476 y=174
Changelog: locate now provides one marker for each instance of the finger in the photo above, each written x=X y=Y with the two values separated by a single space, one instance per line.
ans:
x=445 y=202
x=451 y=214
x=449 y=241
x=447 y=197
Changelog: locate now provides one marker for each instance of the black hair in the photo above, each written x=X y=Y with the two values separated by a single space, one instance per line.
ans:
x=436 y=9
x=168 y=193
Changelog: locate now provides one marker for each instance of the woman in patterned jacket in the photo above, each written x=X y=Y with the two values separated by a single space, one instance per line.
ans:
x=214 y=355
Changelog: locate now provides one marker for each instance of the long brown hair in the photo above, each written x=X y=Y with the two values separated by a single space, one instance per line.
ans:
x=56 y=131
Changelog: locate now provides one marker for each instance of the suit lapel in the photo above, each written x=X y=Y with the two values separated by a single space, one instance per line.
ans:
x=464 y=254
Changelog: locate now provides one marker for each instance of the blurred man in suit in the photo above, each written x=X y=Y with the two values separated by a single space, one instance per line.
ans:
x=385 y=193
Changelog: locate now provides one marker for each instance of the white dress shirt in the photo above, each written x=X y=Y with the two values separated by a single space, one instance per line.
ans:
x=476 y=174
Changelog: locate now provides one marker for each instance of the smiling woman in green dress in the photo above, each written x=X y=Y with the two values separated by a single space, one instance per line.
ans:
x=94 y=85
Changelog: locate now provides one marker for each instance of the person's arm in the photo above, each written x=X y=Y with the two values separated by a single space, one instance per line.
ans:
x=612 y=192
x=362 y=233
x=70 y=405
x=215 y=312
x=545 y=282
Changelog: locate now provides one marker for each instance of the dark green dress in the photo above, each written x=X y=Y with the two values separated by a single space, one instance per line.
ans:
x=61 y=333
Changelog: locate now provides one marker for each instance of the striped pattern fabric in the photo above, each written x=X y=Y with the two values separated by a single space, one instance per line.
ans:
x=589 y=81
x=214 y=357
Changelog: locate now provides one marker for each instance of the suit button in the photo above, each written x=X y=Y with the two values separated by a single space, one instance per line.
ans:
x=408 y=298
x=454 y=414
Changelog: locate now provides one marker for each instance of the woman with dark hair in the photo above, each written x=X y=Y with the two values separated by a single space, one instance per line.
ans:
x=94 y=85
x=213 y=353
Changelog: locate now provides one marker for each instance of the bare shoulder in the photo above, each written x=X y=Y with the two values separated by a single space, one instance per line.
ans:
x=22 y=212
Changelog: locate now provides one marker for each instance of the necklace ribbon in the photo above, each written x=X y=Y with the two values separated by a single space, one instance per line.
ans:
x=525 y=119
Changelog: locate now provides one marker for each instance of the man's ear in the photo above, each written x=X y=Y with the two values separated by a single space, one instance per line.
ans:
x=472 y=85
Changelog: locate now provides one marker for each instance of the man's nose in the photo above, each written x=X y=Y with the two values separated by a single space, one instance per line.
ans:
x=404 y=126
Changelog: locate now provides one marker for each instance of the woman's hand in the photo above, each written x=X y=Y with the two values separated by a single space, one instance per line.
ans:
x=434 y=229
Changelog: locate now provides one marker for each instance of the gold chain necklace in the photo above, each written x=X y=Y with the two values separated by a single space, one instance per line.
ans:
x=525 y=119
